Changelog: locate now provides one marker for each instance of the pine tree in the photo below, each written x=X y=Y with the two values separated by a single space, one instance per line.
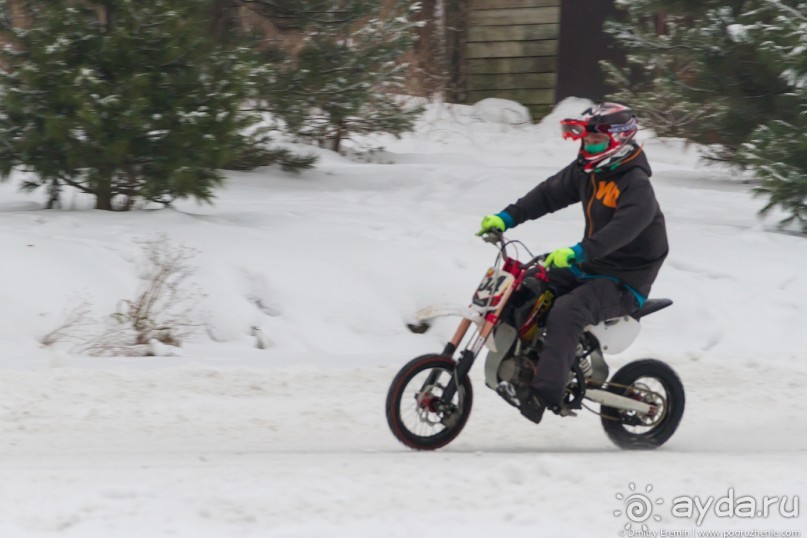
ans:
x=344 y=79
x=121 y=99
x=777 y=150
x=693 y=75
x=728 y=74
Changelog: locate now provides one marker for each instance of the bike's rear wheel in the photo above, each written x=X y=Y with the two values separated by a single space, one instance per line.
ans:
x=416 y=412
x=652 y=382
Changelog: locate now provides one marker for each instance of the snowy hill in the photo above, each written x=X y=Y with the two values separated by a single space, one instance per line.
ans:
x=221 y=438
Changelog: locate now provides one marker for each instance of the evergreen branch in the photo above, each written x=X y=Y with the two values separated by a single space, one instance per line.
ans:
x=76 y=185
x=305 y=14
x=792 y=11
x=681 y=84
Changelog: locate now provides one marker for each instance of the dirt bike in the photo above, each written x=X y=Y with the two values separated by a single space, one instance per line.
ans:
x=430 y=398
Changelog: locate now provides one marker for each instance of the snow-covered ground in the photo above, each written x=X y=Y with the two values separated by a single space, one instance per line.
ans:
x=219 y=438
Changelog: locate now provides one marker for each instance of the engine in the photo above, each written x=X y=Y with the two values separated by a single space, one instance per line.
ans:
x=510 y=370
x=519 y=370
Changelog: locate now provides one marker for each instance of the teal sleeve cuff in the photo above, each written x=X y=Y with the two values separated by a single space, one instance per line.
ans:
x=506 y=218
x=579 y=253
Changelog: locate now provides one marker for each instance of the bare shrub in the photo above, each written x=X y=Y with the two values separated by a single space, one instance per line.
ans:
x=75 y=321
x=163 y=309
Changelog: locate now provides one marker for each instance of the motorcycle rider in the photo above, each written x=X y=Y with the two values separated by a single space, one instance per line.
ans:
x=610 y=271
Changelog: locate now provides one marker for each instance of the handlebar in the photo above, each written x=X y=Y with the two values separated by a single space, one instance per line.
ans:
x=496 y=237
x=538 y=259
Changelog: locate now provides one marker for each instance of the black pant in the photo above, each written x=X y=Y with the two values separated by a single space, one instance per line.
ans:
x=578 y=303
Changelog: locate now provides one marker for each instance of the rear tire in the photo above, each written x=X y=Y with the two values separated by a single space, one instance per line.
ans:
x=411 y=412
x=630 y=430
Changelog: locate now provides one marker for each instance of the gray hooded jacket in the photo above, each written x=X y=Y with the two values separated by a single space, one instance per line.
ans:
x=625 y=234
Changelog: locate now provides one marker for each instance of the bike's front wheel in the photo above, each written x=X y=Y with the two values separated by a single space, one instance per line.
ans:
x=416 y=412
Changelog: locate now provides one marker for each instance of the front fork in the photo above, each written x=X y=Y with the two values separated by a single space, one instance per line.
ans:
x=466 y=358
x=471 y=351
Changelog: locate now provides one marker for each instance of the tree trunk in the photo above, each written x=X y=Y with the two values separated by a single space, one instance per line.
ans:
x=103 y=195
x=456 y=31
x=225 y=16
x=54 y=191
x=336 y=141
x=103 y=200
x=430 y=61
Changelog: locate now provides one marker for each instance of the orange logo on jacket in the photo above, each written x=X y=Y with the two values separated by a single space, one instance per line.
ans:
x=608 y=193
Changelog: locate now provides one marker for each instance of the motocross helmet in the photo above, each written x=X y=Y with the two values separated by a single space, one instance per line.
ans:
x=614 y=124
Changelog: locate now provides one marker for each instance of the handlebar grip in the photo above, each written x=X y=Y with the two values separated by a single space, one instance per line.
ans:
x=492 y=236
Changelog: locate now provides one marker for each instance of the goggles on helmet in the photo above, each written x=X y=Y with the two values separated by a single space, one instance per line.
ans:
x=577 y=128
x=574 y=129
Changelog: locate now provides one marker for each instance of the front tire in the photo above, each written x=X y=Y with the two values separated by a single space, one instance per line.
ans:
x=415 y=411
x=653 y=382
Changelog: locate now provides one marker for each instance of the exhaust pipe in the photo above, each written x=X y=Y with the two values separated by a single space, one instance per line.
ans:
x=619 y=402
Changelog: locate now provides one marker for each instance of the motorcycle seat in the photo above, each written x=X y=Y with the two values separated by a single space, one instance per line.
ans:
x=650 y=306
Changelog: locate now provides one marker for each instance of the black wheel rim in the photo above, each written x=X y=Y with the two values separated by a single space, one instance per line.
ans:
x=420 y=408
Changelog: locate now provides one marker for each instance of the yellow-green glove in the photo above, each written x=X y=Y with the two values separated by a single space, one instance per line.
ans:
x=565 y=257
x=491 y=222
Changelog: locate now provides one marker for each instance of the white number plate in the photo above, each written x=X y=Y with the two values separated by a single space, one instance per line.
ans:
x=491 y=290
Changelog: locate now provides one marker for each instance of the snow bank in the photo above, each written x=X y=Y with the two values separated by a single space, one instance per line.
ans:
x=494 y=110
